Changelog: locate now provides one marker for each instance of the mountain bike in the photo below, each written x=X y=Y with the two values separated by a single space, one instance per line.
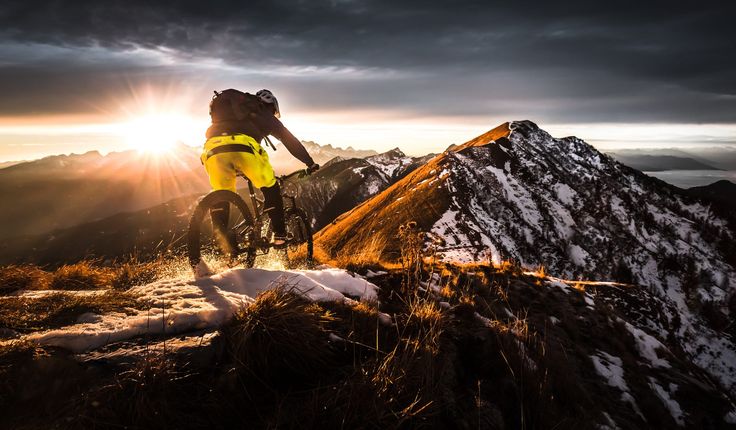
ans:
x=250 y=227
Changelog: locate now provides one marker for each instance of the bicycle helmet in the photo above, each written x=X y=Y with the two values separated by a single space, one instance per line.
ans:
x=267 y=96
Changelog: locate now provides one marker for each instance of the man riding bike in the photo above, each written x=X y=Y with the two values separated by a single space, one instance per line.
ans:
x=239 y=122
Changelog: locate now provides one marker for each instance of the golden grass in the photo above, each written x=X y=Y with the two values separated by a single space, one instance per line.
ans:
x=447 y=292
x=371 y=254
x=22 y=277
x=541 y=272
x=578 y=286
x=133 y=273
x=85 y=275
x=426 y=321
x=59 y=309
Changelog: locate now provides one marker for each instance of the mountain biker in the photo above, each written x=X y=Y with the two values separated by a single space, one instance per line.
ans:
x=239 y=122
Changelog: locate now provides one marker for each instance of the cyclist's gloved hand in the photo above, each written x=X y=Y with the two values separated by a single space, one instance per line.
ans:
x=313 y=168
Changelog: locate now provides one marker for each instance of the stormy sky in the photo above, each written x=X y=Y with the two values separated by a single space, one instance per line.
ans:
x=375 y=74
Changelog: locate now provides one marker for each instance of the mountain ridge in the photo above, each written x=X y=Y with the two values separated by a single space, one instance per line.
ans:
x=559 y=203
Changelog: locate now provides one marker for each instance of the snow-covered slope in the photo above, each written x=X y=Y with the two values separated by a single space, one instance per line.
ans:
x=526 y=196
x=562 y=204
x=516 y=193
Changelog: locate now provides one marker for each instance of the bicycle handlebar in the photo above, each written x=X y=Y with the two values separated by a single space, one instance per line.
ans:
x=296 y=174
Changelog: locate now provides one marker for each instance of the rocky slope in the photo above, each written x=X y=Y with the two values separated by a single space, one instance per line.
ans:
x=722 y=193
x=516 y=193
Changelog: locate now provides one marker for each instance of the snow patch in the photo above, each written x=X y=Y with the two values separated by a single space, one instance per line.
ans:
x=671 y=404
x=565 y=194
x=577 y=255
x=648 y=346
x=185 y=305
x=610 y=368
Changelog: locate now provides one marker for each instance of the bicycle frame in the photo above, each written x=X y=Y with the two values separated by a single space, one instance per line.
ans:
x=258 y=206
x=252 y=234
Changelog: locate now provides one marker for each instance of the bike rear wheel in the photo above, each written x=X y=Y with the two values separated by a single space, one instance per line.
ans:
x=202 y=239
x=300 y=247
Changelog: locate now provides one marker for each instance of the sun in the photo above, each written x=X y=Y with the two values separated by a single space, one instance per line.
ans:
x=155 y=133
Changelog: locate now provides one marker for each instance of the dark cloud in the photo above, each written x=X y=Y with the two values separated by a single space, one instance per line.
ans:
x=584 y=61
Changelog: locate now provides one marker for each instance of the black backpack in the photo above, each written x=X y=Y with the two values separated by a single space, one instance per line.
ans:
x=233 y=105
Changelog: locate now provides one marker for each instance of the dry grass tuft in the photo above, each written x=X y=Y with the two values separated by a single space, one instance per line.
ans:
x=154 y=392
x=17 y=350
x=146 y=387
x=13 y=354
x=426 y=317
x=512 y=268
x=408 y=379
x=447 y=292
x=22 y=277
x=59 y=309
x=281 y=335
x=133 y=273
x=541 y=272
x=358 y=323
x=85 y=275
x=369 y=255
x=578 y=286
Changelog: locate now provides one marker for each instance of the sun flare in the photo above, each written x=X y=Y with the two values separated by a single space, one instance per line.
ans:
x=154 y=134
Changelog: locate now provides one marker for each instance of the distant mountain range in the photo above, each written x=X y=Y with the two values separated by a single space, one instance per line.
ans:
x=4 y=164
x=338 y=186
x=284 y=162
x=66 y=190
x=657 y=163
x=721 y=157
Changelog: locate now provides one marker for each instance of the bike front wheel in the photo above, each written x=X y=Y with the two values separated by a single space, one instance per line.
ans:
x=233 y=242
